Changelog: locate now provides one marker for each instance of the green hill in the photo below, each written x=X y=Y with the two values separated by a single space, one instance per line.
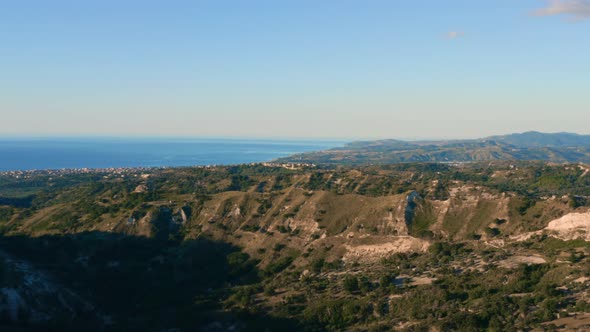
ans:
x=559 y=148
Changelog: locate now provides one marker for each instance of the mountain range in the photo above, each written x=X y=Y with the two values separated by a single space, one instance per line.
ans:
x=529 y=146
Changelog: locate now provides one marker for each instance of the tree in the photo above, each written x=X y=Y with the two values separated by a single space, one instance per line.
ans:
x=351 y=283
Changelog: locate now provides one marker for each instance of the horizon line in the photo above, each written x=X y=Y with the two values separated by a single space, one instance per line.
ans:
x=45 y=136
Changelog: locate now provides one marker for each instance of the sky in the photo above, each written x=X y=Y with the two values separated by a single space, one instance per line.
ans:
x=294 y=69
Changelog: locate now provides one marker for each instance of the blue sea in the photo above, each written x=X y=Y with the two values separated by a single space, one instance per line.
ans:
x=38 y=154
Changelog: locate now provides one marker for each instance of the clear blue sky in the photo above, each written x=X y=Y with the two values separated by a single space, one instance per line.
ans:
x=282 y=68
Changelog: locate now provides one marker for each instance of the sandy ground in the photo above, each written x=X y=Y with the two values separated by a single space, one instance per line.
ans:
x=394 y=244
x=412 y=281
x=586 y=170
x=418 y=281
x=515 y=261
x=579 y=322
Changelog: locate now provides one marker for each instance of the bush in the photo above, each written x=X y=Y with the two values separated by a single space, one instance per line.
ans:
x=279 y=247
x=351 y=283
x=336 y=315
x=279 y=265
x=492 y=231
x=317 y=265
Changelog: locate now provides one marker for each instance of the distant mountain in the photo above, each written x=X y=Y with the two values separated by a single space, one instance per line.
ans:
x=537 y=139
x=555 y=147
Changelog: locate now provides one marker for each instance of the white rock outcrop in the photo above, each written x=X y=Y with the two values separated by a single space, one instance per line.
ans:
x=571 y=226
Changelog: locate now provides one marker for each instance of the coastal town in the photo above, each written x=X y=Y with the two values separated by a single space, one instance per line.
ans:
x=135 y=171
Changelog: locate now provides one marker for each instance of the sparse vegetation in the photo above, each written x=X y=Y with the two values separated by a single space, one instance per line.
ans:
x=313 y=250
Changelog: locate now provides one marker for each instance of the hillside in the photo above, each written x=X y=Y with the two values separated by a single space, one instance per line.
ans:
x=558 y=147
x=400 y=247
x=537 y=139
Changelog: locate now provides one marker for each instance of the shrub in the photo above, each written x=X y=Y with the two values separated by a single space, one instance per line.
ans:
x=351 y=283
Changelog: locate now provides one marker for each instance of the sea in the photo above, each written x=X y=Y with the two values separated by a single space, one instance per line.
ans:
x=70 y=153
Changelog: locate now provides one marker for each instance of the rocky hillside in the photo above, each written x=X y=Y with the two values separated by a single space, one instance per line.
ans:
x=240 y=243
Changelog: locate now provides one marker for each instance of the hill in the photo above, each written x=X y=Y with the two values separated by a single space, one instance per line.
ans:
x=537 y=139
x=558 y=147
x=400 y=247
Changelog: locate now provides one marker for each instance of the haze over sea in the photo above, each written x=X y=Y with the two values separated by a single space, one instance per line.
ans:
x=59 y=153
